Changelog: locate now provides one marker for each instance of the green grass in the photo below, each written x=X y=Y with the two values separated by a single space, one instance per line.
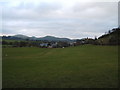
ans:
x=9 y=40
x=86 y=66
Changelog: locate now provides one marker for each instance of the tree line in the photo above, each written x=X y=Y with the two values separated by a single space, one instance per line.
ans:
x=36 y=43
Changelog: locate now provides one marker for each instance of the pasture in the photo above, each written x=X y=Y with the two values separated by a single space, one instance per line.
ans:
x=85 y=66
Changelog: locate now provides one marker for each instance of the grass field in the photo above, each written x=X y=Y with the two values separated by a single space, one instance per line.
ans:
x=9 y=40
x=86 y=66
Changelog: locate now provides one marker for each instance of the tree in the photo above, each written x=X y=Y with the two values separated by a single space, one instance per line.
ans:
x=16 y=43
x=5 y=42
x=23 y=44
x=95 y=38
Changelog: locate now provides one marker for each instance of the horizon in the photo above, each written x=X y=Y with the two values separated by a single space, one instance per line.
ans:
x=58 y=18
x=46 y=36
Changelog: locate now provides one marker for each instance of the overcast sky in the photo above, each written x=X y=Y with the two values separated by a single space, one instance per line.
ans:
x=61 y=18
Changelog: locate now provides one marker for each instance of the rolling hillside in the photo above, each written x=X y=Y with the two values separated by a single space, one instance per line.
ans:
x=23 y=37
x=51 y=38
x=111 y=38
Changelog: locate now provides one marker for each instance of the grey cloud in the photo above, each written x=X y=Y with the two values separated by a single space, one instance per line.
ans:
x=77 y=21
x=97 y=9
x=30 y=11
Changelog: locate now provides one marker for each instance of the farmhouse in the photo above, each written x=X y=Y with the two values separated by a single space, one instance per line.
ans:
x=53 y=45
x=49 y=45
x=43 y=44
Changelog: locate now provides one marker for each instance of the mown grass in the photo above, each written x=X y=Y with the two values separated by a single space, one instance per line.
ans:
x=10 y=40
x=86 y=66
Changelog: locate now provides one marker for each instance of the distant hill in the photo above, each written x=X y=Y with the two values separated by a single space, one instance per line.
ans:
x=21 y=36
x=111 y=38
x=51 y=38
x=24 y=37
x=10 y=38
